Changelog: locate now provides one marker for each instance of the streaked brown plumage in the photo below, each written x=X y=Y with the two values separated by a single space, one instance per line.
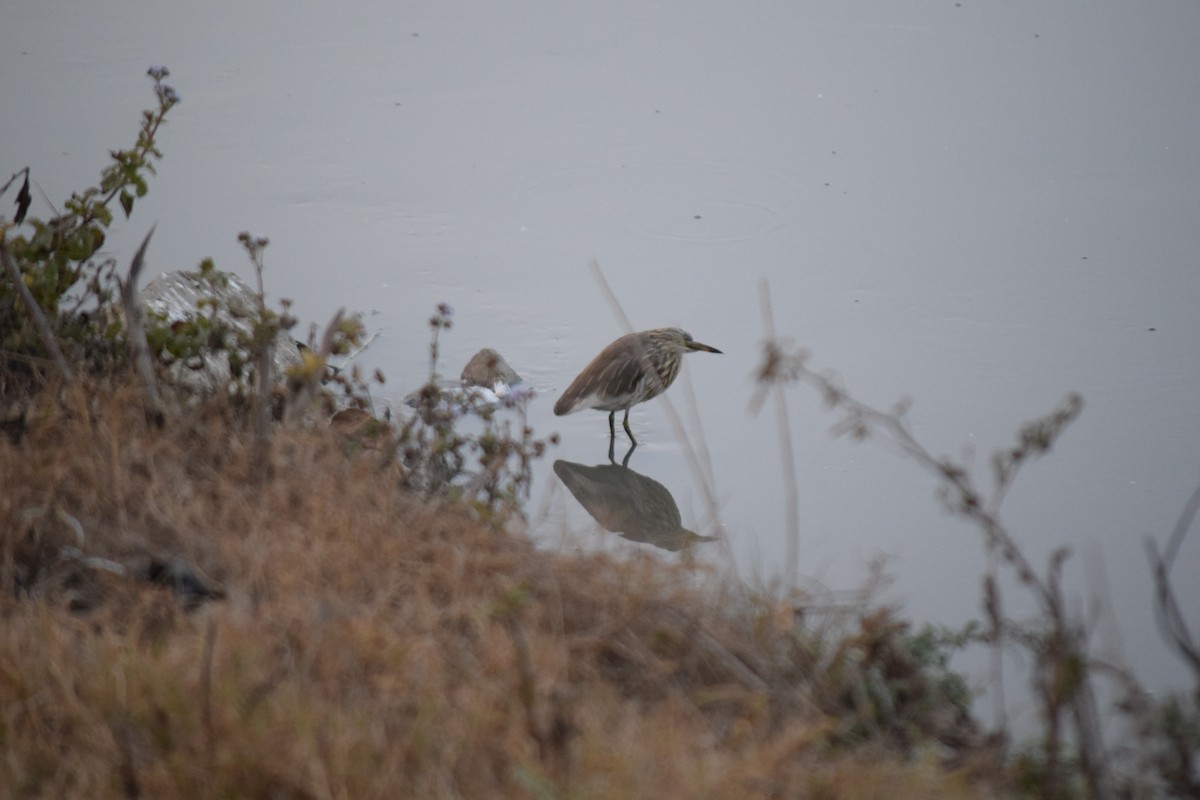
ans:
x=631 y=370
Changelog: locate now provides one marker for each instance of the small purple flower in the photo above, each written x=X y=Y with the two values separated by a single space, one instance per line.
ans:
x=167 y=93
x=518 y=394
x=445 y=310
x=158 y=72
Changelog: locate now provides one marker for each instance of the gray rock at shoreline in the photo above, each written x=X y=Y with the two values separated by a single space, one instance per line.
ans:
x=175 y=296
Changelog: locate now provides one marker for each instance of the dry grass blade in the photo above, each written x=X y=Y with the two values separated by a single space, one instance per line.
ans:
x=40 y=323
x=136 y=333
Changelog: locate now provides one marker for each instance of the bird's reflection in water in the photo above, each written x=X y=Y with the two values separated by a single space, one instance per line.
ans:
x=622 y=501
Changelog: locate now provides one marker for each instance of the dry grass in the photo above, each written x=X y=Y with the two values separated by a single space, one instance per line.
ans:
x=370 y=644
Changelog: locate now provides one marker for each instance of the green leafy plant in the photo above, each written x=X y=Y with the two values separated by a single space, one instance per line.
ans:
x=56 y=261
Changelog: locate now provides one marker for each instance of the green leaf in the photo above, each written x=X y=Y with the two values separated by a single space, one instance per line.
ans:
x=127 y=203
x=77 y=246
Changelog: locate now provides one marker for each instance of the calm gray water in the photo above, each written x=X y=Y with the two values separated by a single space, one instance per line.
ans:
x=978 y=206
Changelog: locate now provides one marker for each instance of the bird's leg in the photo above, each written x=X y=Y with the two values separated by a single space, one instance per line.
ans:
x=628 y=430
x=612 y=429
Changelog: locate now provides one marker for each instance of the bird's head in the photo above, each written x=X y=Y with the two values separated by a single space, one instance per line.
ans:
x=686 y=342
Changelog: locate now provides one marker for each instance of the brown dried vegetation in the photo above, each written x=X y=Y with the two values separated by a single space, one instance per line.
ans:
x=176 y=626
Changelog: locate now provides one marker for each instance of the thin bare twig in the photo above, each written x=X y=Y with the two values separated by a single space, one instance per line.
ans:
x=1063 y=648
x=1182 y=526
x=613 y=303
x=262 y=413
x=264 y=343
x=786 y=454
x=721 y=654
x=1170 y=618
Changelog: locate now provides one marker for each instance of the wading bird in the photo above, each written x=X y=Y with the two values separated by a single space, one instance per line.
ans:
x=631 y=370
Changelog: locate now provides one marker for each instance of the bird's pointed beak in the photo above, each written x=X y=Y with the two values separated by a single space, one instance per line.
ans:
x=698 y=346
